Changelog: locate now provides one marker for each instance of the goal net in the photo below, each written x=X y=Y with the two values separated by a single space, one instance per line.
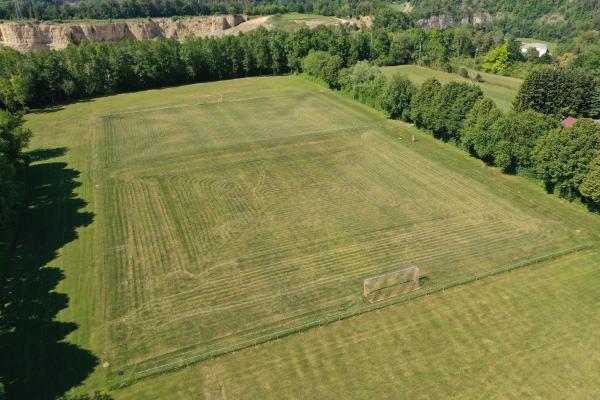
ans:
x=386 y=286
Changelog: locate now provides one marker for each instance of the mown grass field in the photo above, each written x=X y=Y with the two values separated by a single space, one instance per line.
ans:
x=225 y=210
x=501 y=89
x=530 y=333
x=293 y=21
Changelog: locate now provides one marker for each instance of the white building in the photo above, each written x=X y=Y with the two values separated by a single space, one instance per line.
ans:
x=540 y=47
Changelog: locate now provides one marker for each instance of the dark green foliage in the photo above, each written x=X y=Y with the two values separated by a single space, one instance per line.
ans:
x=450 y=107
x=13 y=137
x=562 y=157
x=560 y=91
x=391 y=19
x=532 y=55
x=518 y=133
x=463 y=73
x=397 y=97
x=324 y=66
x=8 y=193
x=590 y=187
x=423 y=102
x=478 y=137
x=366 y=83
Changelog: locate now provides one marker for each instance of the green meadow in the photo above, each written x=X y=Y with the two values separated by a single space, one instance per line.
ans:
x=191 y=218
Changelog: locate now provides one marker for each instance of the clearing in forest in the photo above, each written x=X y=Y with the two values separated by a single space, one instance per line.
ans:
x=227 y=210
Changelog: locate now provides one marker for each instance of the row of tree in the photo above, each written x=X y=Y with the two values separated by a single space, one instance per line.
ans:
x=106 y=9
x=13 y=138
x=528 y=139
x=92 y=69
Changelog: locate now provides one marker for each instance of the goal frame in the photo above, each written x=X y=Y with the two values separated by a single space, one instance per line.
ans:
x=391 y=284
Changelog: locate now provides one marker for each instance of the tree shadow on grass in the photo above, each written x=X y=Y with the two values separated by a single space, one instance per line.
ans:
x=35 y=361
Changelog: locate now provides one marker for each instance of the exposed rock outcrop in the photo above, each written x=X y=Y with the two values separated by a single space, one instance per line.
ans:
x=476 y=18
x=437 y=21
x=445 y=20
x=26 y=37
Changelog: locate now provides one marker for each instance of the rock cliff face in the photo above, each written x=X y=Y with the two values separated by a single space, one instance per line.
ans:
x=26 y=37
x=444 y=20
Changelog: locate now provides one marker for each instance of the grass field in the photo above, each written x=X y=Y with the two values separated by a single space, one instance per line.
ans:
x=501 y=89
x=221 y=211
x=293 y=21
x=531 y=333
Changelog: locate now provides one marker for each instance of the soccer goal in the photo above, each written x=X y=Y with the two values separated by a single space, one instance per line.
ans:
x=386 y=286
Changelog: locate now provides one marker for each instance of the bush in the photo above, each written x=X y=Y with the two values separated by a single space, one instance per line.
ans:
x=463 y=72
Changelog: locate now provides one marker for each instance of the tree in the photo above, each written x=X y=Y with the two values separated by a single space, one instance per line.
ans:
x=13 y=136
x=323 y=65
x=532 y=55
x=367 y=83
x=562 y=157
x=8 y=192
x=496 y=60
x=423 y=100
x=518 y=133
x=514 y=50
x=462 y=43
x=397 y=97
x=560 y=91
x=590 y=187
x=477 y=136
x=450 y=107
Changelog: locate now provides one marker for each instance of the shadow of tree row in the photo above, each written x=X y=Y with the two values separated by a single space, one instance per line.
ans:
x=35 y=361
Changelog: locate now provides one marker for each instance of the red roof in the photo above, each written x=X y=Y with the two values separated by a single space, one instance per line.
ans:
x=569 y=122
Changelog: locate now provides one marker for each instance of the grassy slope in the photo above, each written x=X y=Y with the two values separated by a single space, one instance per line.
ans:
x=148 y=177
x=526 y=334
x=501 y=89
x=292 y=21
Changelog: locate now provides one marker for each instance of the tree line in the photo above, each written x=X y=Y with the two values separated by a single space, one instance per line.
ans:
x=529 y=139
x=93 y=69
x=13 y=138
x=107 y=9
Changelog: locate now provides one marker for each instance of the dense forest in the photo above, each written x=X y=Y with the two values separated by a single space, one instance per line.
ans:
x=547 y=19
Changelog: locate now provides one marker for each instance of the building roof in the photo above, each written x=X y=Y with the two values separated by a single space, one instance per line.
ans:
x=569 y=122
